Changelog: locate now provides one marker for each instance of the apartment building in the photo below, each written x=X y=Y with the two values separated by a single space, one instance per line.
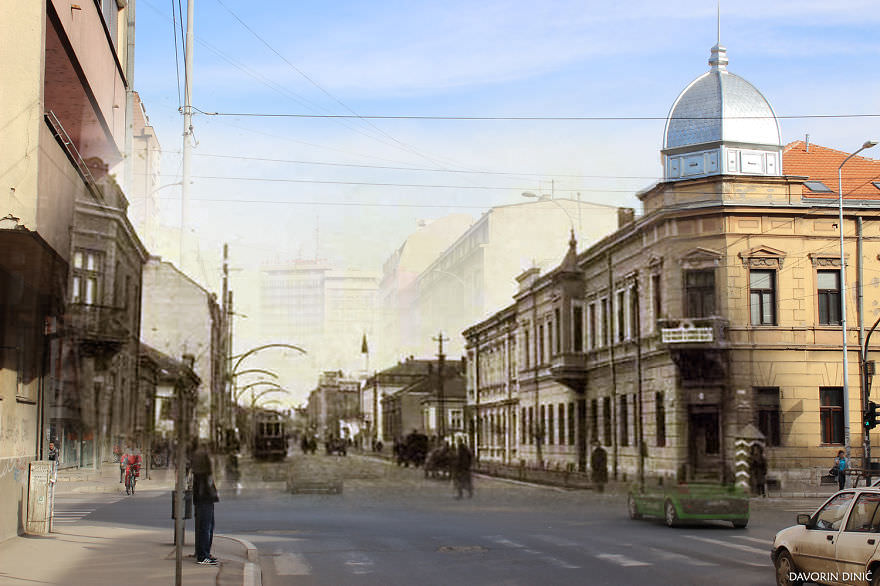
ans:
x=63 y=91
x=715 y=316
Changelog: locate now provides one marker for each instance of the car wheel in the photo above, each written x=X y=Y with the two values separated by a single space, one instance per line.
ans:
x=671 y=516
x=875 y=576
x=633 y=508
x=740 y=523
x=784 y=569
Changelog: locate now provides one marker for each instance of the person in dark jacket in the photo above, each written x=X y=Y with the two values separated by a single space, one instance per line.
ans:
x=599 y=466
x=758 y=470
x=204 y=497
x=461 y=470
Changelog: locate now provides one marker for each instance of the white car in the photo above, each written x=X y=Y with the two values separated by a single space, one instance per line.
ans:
x=835 y=545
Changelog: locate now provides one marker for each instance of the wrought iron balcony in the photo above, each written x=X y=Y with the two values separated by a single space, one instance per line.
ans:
x=101 y=328
x=694 y=332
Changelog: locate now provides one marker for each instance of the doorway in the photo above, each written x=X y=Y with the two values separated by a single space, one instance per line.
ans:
x=704 y=442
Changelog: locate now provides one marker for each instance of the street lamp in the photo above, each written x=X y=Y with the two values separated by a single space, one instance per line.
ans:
x=868 y=144
x=532 y=195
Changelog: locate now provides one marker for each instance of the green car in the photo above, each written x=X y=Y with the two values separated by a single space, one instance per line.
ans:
x=690 y=502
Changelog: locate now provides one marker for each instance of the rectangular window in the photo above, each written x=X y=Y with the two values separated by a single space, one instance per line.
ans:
x=593 y=341
x=526 y=349
x=606 y=419
x=539 y=342
x=831 y=414
x=571 y=424
x=606 y=323
x=762 y=297
x=561 y=419
x=531 y=437
x=85 y=277
x=577 y=328
x=549 y=341
x=621 y=316
x=699 y=293
x=594 y=419
x=623 y=421
x=542 y=424
x=658 y=296
x=523 y=432
x=769 y=414
x=551 y=432
x=660 y=419
x=828 y=285
x=558 y=322
x=634 y=329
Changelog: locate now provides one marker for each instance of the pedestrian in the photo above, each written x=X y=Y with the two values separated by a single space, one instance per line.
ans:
x=758 y=470
x=204 y=497
x=461 y=470
x=53 y=452
x=840 y=465
x=599 y=466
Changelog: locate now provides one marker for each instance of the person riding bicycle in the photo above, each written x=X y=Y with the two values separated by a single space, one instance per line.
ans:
x=132 y=463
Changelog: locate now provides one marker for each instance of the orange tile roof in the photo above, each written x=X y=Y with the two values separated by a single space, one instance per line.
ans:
x=821 y=163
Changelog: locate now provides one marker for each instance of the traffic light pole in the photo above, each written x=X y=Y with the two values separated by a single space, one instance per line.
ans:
x=869 y=412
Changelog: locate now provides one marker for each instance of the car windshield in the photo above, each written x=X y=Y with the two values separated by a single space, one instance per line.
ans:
x=831 y=515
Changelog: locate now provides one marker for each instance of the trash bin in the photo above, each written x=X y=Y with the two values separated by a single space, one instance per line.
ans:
x=187 y=504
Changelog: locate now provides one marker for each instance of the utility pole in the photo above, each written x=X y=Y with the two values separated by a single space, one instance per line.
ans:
x=187 y=125
x=219 y=425
x=441 y=359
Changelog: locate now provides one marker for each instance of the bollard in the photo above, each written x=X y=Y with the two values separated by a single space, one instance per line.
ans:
x=187 y=511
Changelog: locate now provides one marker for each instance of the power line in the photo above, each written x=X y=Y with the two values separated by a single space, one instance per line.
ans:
x=529 y=118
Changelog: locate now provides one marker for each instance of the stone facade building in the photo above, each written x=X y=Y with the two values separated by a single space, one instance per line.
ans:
x=716 y=312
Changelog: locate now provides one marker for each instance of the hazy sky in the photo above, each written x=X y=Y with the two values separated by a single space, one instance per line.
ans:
x=354 y=188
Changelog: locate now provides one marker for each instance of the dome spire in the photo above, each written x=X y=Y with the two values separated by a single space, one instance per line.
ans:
x=718 y=60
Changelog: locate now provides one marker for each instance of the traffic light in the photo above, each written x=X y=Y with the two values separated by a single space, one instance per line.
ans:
x=871 y=415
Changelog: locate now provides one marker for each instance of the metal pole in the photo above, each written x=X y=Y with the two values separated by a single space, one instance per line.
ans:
x=846 y=415
x=187 y=125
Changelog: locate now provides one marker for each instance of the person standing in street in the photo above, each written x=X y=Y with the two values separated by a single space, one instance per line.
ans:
x=840 y=464
x=204 y=497
x=599 y=466
x=461 y=470
x=758 y=470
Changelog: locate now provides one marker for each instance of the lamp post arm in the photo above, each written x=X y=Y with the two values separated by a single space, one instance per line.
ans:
x=253 y=370
x=241 y=357
x=242 y=390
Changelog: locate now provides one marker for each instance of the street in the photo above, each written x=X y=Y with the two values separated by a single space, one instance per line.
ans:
x=391 y=525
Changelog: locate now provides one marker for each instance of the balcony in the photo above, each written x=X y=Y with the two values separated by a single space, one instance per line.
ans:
x=570 y=369
x=99 y=329
x=697 y=346
x=693 y=332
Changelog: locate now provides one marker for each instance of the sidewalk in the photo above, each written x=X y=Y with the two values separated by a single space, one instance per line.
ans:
x=93 y=555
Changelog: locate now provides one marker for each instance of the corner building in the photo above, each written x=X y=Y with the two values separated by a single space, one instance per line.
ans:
x=712 y=317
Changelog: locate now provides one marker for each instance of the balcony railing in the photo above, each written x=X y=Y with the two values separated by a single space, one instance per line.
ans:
x=99 y=323
x=694 y=332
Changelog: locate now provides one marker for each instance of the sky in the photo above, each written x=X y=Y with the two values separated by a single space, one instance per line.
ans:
x=277 y=185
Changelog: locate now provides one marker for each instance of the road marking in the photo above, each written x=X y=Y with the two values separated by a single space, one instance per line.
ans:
x=621 y=560
x=560 y=541
x=738 y=546
x=547 y=558
x=359 y=563
x=766 y=542
x=291 y=564
x=679 y=557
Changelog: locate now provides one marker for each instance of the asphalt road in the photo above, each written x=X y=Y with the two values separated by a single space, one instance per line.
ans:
x=392 y=526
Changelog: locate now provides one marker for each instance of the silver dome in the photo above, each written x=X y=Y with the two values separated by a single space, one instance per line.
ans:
x=719 y=106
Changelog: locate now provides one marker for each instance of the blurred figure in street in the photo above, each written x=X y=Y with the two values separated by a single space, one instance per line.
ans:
x=758 y=470
x=204 y=497
x=599 y=466
x=461 y=470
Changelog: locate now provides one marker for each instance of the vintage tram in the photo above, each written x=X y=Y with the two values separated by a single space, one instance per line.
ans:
x=270 y=435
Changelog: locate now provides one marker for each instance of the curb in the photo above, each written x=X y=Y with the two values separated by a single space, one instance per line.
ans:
x=253 y=573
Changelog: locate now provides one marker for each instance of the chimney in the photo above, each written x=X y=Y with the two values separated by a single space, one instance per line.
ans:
x=807 y=142
x=625 y=216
